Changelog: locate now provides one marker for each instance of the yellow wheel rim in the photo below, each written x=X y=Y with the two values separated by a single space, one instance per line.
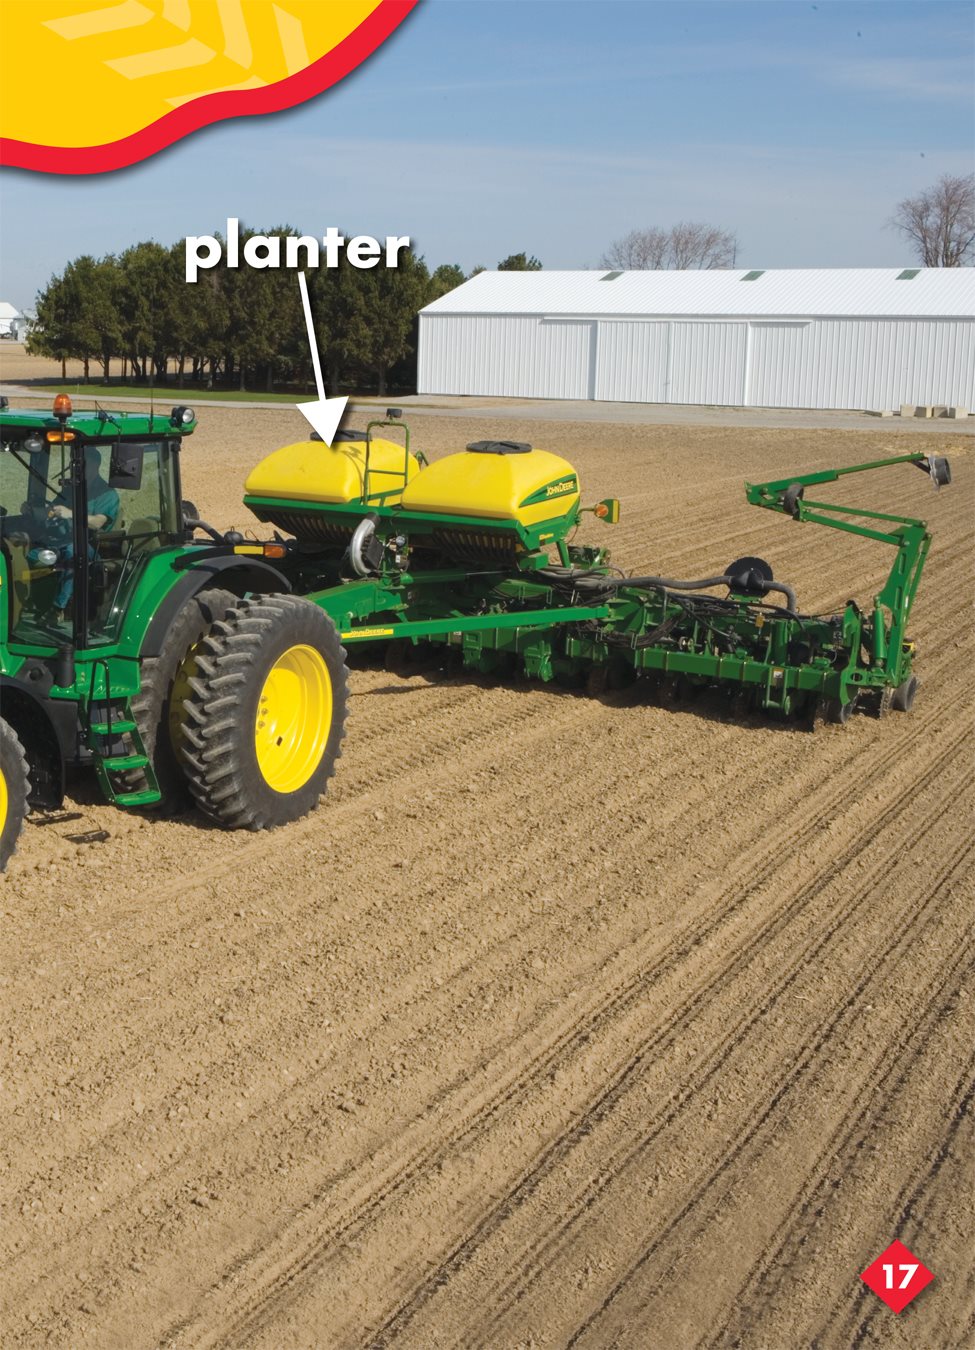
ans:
x=180 y=692
x=4 y=800
x=294 y=717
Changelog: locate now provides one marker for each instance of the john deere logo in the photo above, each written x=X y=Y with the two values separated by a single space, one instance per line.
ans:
x=557 y=489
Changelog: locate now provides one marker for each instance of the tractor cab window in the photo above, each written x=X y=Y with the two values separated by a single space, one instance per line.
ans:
x=33 y=477
x=133 y=510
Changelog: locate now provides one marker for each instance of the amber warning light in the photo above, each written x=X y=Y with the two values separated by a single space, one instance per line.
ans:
x=62 y=405
x=608 y=510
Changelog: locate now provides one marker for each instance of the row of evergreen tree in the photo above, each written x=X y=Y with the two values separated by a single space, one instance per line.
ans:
x=239 y=327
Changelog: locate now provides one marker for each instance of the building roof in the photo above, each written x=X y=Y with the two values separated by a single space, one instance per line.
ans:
x=929 y=292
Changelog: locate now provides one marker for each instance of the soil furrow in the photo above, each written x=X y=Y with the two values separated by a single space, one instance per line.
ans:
x=839 y=1155
x=763 y=1124
x=681 y=1020
x=677 y=1020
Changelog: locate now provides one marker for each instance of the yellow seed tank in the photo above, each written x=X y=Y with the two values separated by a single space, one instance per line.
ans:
x=496 y=480
x=311 y=471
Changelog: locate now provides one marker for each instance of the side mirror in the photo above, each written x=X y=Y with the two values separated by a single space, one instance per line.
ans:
x=125 y=470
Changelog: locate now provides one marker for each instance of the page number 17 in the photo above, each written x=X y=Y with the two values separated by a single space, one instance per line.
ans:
x=908 y=1270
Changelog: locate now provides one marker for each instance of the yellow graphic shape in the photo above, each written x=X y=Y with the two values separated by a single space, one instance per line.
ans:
x=86 y=74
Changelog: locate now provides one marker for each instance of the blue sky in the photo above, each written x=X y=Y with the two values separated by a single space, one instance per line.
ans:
x=485 y=127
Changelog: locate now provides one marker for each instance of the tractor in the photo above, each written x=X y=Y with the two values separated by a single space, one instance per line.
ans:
x=185 y=665
x=108 y=583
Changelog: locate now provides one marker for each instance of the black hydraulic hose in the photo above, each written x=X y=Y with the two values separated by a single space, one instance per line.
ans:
x=598 y=581
x=668 y=583
x=191 y=524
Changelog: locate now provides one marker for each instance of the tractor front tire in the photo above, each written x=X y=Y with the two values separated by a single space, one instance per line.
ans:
x=265 y=715
x=14 y=791
x=158 y=707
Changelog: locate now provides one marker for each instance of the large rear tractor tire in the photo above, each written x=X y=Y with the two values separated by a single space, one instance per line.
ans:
x=158 y=707
x=265 y=715
x=14 y=791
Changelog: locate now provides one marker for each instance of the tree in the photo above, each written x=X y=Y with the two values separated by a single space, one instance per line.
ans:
x=200 y=319
x=146 y=307
x=940 y=223
x=446 y=277
x=395 y=296
x=263 y=314
x=638 y=251
x=340 y=304
x=99 y=287
x=520 y=262
x=77 y=314
x=686 y=244
x=51 y=333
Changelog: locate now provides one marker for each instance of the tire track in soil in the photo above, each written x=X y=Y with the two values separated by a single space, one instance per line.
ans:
x=464 y=1137
x=466 y=1339
x=625 y=1315
x=857 y=1326
x=533 y=1263
x=765 y=1122
x=857 y=1322
x=840 y=1154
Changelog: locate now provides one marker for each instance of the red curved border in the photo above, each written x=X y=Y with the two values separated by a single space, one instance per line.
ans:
x=209 y=108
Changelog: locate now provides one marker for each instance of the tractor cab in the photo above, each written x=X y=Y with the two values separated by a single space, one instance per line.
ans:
x=84 y=501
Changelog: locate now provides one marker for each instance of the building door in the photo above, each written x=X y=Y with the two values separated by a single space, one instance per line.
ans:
x=564 y=356
x=778 y=365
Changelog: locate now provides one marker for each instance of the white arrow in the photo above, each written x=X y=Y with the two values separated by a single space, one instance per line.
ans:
x=323 y=413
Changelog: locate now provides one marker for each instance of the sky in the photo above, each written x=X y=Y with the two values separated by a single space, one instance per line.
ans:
x=488 y=127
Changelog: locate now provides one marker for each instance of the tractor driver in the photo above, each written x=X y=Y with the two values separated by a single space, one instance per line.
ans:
x=103 y=510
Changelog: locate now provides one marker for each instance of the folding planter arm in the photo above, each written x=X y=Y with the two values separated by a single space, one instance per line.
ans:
x=910 y=538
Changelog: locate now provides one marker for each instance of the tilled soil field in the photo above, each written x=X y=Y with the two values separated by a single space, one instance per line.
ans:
x=562 y=1022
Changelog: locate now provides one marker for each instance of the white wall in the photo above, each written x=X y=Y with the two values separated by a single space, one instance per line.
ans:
x=526 y=357
x=816 y=363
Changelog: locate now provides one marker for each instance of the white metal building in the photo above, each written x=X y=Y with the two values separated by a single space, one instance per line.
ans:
x=869 y=338
x=8 y=319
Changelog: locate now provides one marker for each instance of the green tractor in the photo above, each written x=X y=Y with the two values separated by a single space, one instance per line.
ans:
x=108 y=583
x=185 y=665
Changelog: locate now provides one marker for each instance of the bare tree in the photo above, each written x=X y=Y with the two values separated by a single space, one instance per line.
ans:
x=940 y=223
x=638 y=251
x=693 y=245
x=686 y=244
